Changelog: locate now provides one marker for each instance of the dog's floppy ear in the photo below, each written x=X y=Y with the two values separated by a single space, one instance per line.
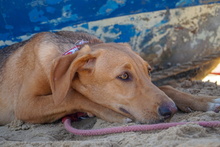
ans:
x=64 y=69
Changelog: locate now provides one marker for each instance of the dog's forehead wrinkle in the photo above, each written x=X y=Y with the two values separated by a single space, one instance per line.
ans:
x=141 y=65
x=106 y=61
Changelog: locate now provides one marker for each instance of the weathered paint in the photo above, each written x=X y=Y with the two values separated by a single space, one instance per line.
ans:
x=159 y=30
x=26 y=17
x=174 y=36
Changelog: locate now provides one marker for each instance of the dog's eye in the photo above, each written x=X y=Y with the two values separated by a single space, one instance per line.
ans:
x=124 y=76
x=149 y=71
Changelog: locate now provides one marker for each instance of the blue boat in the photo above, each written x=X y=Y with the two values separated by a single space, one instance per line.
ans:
x=162 y=31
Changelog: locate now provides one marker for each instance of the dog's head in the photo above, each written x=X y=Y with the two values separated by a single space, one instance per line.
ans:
x=114 y=76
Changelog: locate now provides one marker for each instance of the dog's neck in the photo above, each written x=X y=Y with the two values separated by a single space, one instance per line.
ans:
x=76 y=47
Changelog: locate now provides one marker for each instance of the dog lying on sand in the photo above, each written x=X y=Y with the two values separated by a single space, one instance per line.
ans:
x=53 y=75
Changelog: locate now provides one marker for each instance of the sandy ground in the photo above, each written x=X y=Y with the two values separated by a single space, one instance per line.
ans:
x=22 y=134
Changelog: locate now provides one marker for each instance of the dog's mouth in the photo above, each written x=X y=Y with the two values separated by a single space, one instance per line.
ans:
x=150 y=121
x=124 y=111
x=127 y=113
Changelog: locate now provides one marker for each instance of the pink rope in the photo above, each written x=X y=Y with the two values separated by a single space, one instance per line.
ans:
x=134 y=128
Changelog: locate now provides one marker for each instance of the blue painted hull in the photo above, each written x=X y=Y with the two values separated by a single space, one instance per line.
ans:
x=25 y=17
x=161 y=31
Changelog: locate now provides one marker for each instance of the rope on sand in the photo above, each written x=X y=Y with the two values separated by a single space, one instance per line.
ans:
x=133 y=128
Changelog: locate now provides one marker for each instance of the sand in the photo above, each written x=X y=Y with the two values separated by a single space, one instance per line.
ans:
x=22 y=134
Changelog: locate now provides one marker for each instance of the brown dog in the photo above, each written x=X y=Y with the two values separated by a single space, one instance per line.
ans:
x=40 y=85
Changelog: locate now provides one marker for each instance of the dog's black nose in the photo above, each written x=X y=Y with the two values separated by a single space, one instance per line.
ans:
x=164 y=111
x=167 y=111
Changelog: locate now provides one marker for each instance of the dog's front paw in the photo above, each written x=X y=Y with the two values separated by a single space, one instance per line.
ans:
x=214 y=105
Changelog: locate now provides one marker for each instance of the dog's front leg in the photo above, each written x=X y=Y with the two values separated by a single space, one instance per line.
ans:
x=187 y=102
x=41 y=109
